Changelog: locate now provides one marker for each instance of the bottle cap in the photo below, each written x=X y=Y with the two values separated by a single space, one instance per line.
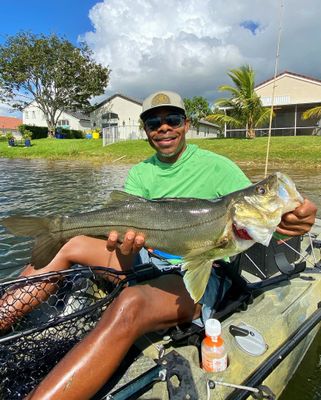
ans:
x=213 y=327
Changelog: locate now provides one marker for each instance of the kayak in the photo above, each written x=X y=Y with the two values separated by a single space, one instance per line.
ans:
x=281 y=319
x=269 y=320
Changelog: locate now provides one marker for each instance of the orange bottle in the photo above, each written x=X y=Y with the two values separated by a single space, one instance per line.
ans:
x=214 y=356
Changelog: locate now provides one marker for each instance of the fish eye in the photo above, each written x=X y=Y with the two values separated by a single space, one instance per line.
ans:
x=260 y=190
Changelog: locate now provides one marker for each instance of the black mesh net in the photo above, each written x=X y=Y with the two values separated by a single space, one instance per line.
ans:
x=43 y=317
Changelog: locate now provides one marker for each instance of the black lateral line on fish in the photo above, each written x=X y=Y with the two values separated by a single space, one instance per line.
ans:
x=137 y=228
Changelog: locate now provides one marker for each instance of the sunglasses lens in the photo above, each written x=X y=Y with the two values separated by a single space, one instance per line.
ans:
x=153 y=123
x=173 y=120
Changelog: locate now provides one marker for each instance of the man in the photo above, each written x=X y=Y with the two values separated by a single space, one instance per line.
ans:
x=176 y=170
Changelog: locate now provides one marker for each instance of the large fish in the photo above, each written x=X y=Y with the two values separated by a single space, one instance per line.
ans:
x=199 y=230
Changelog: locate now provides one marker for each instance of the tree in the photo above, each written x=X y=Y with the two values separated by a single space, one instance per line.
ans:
x=197 y=108
x=244 y=108
x=314 y=112
x=51 y=71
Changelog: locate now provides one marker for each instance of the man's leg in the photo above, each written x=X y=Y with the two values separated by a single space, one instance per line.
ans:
x=159 y=304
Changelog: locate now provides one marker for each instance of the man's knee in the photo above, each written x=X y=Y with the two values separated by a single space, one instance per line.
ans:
x=130 y=309
x=72 y=247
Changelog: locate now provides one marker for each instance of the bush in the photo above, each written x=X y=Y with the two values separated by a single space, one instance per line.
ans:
x=9 y=135
x=38 y=132
x=41 y=132
x=27 y=134
x=72 y=134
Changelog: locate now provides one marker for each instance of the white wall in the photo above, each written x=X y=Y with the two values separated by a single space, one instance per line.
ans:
x=205 y=131
x=128 y=115
x=32 y=115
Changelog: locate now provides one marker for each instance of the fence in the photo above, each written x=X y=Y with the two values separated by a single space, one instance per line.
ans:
x=284 y=131
x=115 y=133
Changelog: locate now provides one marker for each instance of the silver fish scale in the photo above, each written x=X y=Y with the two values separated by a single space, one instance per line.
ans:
x=176 y=225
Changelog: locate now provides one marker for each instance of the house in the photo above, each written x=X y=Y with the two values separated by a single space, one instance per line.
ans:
x=32 y=115
x=293 y=94
x=205 y=130
x=119 y=118
x=9 y=124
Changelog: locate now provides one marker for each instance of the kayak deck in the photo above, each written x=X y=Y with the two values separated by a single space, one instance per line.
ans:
x=275 y=314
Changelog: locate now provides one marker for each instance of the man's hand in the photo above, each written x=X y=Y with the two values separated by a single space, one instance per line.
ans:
x=299 y=221
x=133 y=242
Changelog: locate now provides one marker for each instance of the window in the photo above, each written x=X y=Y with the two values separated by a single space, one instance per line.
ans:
x=34 y=114
x=63 y=122
x=26 y=114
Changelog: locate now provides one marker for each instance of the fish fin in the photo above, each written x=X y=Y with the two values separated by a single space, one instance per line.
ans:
x=45 y=249
x=26 y=226
x=196 y=277
x=46 y=245
x=118 y=195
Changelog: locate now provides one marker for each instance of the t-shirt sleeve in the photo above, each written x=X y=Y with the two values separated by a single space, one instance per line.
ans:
x=133 y=184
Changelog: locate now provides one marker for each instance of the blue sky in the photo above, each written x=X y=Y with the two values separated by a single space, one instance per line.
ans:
x=187 y=46
x=64 y=17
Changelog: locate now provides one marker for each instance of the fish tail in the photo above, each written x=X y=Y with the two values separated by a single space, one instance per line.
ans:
x=26 y=226
x=47 y=243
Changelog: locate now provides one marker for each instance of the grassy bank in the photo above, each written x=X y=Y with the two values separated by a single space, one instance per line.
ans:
x=302 y=151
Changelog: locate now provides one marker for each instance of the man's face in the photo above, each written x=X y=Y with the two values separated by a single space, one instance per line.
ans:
x=166 y=129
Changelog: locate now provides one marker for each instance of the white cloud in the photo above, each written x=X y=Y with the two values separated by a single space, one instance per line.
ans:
x=189 y=45
x=7 y=111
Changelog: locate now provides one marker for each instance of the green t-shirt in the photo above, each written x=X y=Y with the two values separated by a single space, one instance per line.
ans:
x=197 y=173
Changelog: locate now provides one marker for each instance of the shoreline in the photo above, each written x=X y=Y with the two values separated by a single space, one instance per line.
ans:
x=286 y=152
x=94 y=160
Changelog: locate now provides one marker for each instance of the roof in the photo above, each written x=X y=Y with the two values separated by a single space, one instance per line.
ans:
x=204 y=122
x=138 y=102
x=10 y=122
x=78 y=114
x=289 y=74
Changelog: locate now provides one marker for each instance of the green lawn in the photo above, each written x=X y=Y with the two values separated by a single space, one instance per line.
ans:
x=303 y=151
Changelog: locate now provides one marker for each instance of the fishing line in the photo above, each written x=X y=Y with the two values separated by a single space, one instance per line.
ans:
x=312 y=249
x=303 y=257
x=273 y=87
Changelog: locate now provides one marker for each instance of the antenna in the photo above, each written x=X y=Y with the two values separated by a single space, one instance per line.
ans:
x=273 y=87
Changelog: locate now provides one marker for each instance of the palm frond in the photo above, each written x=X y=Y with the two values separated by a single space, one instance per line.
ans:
x=314 y=112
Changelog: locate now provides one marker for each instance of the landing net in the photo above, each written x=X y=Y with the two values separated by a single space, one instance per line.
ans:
x=72 y=303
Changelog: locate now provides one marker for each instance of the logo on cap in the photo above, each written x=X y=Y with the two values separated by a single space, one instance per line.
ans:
x=160 y=98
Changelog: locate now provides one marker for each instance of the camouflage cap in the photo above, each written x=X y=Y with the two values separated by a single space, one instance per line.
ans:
x=163 y=98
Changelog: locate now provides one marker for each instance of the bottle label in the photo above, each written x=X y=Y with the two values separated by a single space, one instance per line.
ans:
x=215 y=364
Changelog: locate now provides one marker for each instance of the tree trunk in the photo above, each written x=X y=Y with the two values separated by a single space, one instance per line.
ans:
x=51 y=129
x=250 y=133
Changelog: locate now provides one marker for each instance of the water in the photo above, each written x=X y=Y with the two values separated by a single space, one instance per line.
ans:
x=40 y=187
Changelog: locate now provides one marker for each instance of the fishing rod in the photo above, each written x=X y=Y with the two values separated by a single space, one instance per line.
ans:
x=273 y=88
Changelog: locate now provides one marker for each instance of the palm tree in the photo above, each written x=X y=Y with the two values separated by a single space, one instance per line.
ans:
x=244 y=107
x=314 y=112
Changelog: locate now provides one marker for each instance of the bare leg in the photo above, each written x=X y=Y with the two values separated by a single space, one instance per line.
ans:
x=81 y=249
x=159 y=304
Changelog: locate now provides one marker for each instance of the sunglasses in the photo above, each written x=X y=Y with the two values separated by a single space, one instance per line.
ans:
x=173 y=120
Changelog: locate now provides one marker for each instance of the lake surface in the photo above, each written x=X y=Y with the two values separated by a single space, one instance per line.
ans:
x=40 y=187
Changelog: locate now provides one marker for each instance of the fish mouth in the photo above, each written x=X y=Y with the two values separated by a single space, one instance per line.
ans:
x=241 y=233
x=287 y=191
